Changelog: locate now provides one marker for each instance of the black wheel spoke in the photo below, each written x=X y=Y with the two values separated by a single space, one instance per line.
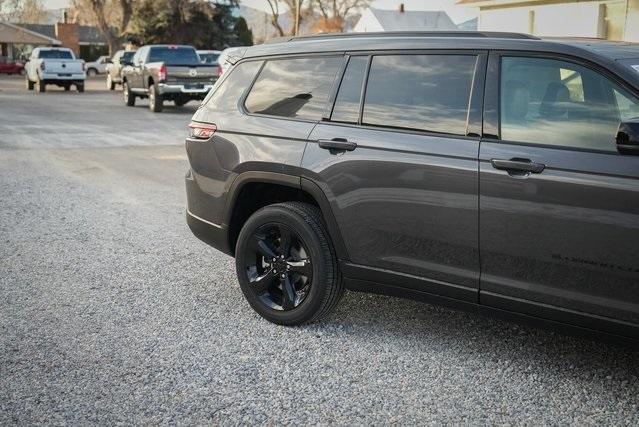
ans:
x=264 y=248
x=261 y=283
x=288 y=293
x=302 y=267
x=285 y=241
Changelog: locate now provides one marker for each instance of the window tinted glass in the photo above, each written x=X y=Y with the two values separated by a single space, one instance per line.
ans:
x=174 y=55
x=425 y=92
x=209 y=58
x=55 y=54
x=346 y=107
x=293 y=87
x=225 y=97
x=551 y=102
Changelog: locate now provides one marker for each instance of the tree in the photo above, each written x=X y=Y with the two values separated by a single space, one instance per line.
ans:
x=200 y=23
x=244 y=34
x=334 y=12
x=112 y=17
x=305 y=11
x=23 y=11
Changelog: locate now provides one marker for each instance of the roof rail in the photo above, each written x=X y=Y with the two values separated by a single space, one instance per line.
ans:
x=472 y=34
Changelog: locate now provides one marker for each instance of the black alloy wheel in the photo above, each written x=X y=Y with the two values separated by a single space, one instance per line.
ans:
x=286 y=264
x=278 y=267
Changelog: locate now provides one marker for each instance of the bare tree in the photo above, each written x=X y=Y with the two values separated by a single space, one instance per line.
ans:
x=112 y=17
x=23 y=11
x=334 y=12
x=290 y=6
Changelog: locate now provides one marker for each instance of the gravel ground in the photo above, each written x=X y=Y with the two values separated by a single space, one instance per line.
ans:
x=112 y=312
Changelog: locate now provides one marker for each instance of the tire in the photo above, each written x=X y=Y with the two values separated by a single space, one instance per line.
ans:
x=40 y=87
x=28 y=83
x=129 y=97
x=67 y=88
x=311 y=253
x=180 y=102
x=156 y=103
x=80 y=87
x=109 y=82
x=92 y=72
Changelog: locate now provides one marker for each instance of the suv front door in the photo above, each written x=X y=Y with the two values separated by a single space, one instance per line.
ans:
x=400 y=169
x=559 y=206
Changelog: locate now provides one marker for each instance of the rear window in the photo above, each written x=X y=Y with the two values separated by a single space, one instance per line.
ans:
x=209 y=58
x=177 y=55
x=55 y=54
x=296 y=87
x=422 y=92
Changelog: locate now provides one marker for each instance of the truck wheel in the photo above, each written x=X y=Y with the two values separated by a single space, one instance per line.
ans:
x=129 y=98
x=29 y=84
x=92 y=72
x=40 y=87
x=155 y=99
x=286 y=264
x=67 y=88
x=80 y=87
x=109 y=82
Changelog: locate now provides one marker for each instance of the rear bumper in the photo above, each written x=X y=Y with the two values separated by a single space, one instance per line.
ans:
x=53 y=77
x=215 y=235
x=178 y=88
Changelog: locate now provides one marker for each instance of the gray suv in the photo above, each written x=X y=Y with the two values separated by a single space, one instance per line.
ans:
x=491 y=172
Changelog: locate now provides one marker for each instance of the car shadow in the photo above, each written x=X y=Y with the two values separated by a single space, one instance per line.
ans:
x=362 y=315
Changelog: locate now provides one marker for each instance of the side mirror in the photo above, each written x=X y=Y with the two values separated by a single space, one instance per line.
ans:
x=628 y=137
x=125 y=62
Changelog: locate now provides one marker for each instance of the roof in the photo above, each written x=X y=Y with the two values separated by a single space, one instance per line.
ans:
x=88 y=34
x=12 y=33
x=413 y=20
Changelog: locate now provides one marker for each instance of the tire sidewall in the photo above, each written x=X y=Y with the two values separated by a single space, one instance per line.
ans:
x=323 y=270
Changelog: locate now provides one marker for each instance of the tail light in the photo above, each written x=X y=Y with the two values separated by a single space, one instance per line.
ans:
x=42 y=66
x=219 y=71
x=201 y=130
x=162 y=73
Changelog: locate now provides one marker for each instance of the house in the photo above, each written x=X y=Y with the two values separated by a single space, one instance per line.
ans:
x=607 y=19
x=404 y=20
x=14 y=39
x=86 y=41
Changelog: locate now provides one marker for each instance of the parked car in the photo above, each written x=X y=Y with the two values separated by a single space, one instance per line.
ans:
x=210 y=57
x=54 y=65
x=114 y=68
x=166 y=72
x=8 y=66
x=497 y=173
x=99 y=66
x=227 y=56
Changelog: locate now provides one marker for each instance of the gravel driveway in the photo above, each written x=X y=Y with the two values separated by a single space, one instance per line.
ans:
x=112 y=312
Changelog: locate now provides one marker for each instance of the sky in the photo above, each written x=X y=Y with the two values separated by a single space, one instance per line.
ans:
x=457 y=13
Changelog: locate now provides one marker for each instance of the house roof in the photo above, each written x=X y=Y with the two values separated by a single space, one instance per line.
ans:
x=88 y=34
x=11 y=33
x=413 y=20
x=498 y=2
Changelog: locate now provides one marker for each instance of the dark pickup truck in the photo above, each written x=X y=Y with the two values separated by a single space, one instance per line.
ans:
x=166 y=72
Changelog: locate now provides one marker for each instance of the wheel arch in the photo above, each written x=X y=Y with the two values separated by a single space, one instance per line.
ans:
x=253 y=190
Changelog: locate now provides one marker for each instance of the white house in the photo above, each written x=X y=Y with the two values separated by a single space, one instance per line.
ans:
x=404 y=20
x=607 y=19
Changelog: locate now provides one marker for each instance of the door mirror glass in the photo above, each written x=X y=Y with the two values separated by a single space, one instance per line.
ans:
x=628 y=137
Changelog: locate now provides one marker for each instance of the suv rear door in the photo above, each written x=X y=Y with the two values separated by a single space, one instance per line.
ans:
x=400 y=168
x=559 y=206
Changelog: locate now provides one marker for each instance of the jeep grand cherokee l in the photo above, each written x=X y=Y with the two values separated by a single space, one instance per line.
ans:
x=491 y=172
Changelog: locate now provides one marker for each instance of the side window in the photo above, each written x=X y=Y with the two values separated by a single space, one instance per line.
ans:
x=297 y=87
x=346 y=109
x=553 y=102
x=226 y=96
x=423 y=92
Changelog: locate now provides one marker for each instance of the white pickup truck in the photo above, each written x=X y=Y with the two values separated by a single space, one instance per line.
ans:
x=54 y=65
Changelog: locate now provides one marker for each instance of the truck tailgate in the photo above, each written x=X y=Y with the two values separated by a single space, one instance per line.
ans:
x=191 y=73
x=63 y=66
